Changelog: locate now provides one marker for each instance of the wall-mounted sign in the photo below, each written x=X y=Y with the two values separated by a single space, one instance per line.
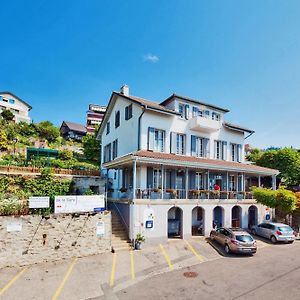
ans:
x=13 y=227
x=267 y=214
x=100 y=229
x=73 y=204
x=149 y=218
x=39 y=202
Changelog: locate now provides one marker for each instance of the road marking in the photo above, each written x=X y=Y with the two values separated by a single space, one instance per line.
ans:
x=132 y=265
x=199 y=257
x=166 y=256
x=67 y=275
x=12 y=281
x=113 y=270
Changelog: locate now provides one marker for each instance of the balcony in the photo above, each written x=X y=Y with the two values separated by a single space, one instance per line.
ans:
x=204 y=124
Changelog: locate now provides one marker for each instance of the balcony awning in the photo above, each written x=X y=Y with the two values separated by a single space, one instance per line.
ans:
x=173 y=160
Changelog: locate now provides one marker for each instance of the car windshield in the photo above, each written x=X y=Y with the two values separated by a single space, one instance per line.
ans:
x=244 y=238
x=285 y=228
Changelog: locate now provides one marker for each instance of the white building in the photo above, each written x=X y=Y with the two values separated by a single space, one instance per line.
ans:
x=176 y=167
x=16 y=105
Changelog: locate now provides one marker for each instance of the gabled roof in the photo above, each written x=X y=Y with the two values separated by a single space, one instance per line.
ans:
x=192 y=162
x=169 y=99
x=29 y=106
x=237 y=127
x=74 y=126
x=148 y=103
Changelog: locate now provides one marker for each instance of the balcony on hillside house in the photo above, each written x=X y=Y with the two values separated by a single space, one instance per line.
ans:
x=204 y=124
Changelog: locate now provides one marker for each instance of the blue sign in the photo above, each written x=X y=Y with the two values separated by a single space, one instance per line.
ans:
x=149 y=224
x=99 y=209
x=268 y=217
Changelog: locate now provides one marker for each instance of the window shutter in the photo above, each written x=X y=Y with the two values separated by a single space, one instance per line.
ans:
x=224 y=150
x=173 y=179
x=151 y=131
x=215 y=149
x=193 y=145
x=173 y=142
x=239 y=153
x=126 y=113
x=206 y=147
x=187 y=111
x=184 y=144
x=149 y=177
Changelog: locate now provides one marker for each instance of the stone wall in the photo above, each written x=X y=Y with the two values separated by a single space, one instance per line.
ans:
x=53 y=238
x=82 y=183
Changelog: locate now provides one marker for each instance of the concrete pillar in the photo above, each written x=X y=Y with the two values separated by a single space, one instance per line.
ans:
x=259 y=181
x=227 y=184
x=208 y=219
x=208 y=183
x=134 y=179
x=274 y=182
x=244 y=221
x=162 y=181
x=227 y=215
x=186 y=182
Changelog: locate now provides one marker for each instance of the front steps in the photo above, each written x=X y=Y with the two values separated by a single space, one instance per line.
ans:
x=119 y=236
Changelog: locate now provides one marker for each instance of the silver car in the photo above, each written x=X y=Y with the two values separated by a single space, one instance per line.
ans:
x=276 y=232
x=234 y=240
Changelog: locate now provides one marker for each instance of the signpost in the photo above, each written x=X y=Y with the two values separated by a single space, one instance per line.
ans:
x=73 y=204
x=39 y=202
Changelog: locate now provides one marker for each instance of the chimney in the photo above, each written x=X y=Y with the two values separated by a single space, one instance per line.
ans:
x=125 y=90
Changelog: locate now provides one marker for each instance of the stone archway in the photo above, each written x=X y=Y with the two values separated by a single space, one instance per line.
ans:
x=175 y=221
x=198 y=215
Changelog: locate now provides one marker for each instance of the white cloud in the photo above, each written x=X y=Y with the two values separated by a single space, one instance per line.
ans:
x=152 y=58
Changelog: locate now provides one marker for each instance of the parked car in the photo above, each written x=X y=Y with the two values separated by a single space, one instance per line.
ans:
x=276 y=232
x=234 y=240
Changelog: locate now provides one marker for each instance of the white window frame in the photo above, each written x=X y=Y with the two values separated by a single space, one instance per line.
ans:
x=180 y=144
x=159 y=140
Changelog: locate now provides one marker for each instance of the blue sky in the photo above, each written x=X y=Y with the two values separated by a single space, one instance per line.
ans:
x=244 y=55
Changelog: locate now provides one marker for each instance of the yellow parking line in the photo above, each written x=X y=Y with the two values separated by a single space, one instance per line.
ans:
x=113 y=270
x=67 y=275
x=199 y=257
x=166 y=256
x=132 y=265
x=12 y=281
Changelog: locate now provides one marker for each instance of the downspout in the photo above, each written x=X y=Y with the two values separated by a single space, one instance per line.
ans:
x=139 y=127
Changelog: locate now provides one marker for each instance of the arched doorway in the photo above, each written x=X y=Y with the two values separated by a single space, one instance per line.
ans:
x=252 y=216
x=198 y=221
x=236 y=216
x=175 y=222
x=218 y=215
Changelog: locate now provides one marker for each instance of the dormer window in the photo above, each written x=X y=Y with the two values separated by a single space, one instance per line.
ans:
x=181 y=109
x=207 y=113
x=215 y=116
x=197 y=112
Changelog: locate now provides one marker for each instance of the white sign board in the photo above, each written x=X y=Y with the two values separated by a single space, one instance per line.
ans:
x=39 y=202
x=73 y=204
x=100 y=229
x=12 y=227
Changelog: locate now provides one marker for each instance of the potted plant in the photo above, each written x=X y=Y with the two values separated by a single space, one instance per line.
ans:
x=138 y=241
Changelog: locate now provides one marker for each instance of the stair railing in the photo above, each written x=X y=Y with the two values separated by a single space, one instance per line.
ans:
x=123 y=220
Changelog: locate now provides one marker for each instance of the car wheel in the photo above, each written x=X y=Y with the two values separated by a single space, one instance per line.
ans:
x=253 y=231
x=227 y=249
x=273 y=239
x=290 y=242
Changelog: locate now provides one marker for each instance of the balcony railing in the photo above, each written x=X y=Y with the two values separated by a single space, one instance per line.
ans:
x=204 y=124
x=157 y=193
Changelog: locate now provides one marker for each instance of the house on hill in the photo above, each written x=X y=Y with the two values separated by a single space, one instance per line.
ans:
x=73 y=131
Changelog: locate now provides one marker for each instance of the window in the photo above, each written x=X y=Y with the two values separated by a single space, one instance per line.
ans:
x=180 y=144
x=108 y=128
x=198 y=146
x=207 y=113
x=216 y=116
x=107 y=153
x=199 y=181
x=236 y=152
x=232 y=186
x=159 y=140
x=115 y=149
x=128 y=112
x=156 y=139
x=220 y=150
x=181 y=109
x=157 y=179
x=117 y=119
x=11 y=101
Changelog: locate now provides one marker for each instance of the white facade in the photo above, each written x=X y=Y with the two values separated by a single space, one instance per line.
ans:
x=180 y=153
x=18 y=107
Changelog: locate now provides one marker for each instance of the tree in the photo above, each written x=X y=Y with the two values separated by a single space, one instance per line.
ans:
x=47 y=131
x=3 y=140
x=284 y=201
x=66 y=154
x=7 y=115
x=255 y=155
x=91 y=147
x=286 y=160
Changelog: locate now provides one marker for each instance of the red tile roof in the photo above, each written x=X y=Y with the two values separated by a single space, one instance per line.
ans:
x=214 y=162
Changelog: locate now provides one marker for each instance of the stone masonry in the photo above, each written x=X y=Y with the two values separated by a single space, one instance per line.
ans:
x=52 y=238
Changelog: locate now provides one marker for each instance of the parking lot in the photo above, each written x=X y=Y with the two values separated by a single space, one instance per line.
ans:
x=102 y=276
